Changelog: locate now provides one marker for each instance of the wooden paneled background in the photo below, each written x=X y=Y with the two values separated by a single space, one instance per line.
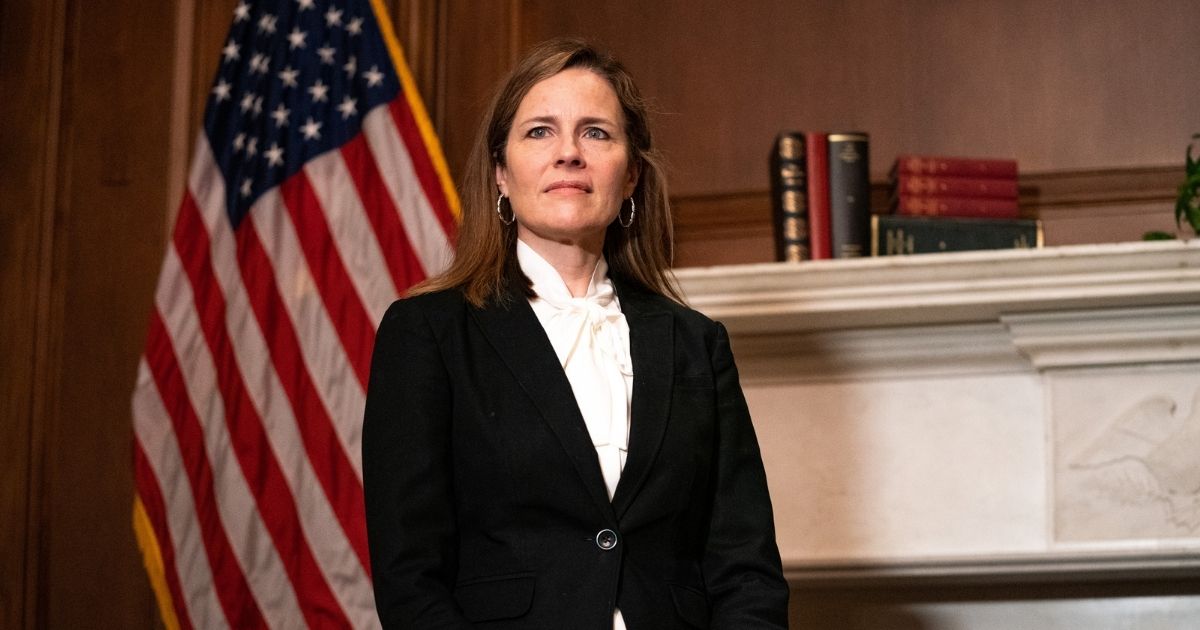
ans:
x=101 y=101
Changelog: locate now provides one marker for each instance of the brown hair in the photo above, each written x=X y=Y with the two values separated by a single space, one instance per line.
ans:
x=486 y=260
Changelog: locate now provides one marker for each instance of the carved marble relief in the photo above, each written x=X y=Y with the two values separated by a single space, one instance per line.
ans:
x=1127 y=454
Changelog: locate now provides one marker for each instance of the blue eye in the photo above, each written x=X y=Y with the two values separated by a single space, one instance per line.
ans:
x=538 y=132
x=596 y=133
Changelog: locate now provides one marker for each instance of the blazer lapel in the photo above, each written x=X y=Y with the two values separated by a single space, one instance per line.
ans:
x=651 y=345
x=520 y=340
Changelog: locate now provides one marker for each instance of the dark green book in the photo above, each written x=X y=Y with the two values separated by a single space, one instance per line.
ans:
x=893 y=235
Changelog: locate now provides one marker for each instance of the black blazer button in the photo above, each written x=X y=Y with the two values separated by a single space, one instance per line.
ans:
x=606 y=539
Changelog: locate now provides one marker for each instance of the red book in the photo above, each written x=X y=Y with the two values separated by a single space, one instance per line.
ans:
x=954 y=166
x=818 y=196
x=977 y=207
x=926 y=186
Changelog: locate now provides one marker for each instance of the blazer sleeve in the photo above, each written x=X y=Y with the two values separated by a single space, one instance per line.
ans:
x=742 y=570
x=407 y=476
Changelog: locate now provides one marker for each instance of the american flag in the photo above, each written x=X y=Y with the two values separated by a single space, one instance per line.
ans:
x=317 y=194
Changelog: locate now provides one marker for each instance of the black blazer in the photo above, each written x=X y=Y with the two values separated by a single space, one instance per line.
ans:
x=486 y=507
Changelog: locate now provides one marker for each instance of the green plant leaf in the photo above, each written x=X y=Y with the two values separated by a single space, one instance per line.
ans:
x=1187 y=204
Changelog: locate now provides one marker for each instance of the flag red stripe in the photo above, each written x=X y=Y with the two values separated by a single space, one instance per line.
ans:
x=402 y=261
x=247 y=436
x=423 y=165
x=321 y=443
x=342 y=302
x=151 y=495
x=241 y=610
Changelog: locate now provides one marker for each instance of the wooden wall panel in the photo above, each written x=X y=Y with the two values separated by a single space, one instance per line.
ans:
x=1064 y=87
x=30 y=79
x=420 y=27
x=480 y=48
x=86 y=133
x=110 y=226
x=1067 y=85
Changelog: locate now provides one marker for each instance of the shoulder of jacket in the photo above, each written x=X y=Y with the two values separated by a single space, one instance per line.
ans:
x=689 y=316
x=435 y=306
x=686 y=318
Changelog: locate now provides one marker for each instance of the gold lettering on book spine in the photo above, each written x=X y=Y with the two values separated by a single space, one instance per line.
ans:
x=791 y=174
x=918 y=185
x=790 y=148
x=794 y=253
x=794 y=202
x=899 y=243
x=794 y=229
x=849 y=154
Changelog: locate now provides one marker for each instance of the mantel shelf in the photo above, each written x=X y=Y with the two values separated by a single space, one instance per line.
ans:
x=962 y=287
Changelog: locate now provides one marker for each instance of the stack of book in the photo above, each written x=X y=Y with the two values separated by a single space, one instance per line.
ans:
x=820 y=195
x=954 y=187
x=941 y=203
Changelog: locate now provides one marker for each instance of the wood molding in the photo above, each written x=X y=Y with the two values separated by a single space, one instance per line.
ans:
x=1044 y=192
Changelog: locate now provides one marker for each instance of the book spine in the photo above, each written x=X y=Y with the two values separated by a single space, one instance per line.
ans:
x=954 y=166
x=849 y=195
x=919 y=185
x=978 y=207
x=818 y=196
x=789 y=197
x=896 y=235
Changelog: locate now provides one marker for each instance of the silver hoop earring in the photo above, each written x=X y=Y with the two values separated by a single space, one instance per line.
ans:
x=632 y=213
x=500 y=214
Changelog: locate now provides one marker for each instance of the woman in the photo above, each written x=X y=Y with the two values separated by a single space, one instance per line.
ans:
x=551 y=439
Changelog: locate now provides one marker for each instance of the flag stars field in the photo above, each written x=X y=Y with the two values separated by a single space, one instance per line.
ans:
x=296 y=39
x=311 y=130
x=288 y=76
x=333 y=17
x=266 y=23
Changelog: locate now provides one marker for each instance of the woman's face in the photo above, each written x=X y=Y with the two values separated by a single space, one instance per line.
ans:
x=567 y=160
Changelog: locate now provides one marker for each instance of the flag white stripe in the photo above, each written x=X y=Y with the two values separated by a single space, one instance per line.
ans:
x=425 y=233
x=352 y=232
x=322 y=531
x=153 y=430
x=324 y=355
x=248 y=536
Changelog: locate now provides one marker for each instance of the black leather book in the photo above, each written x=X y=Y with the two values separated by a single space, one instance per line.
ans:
x=789 y=197
x=849 y=195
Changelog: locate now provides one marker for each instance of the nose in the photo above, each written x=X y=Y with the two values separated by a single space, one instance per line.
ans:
x=569 y=153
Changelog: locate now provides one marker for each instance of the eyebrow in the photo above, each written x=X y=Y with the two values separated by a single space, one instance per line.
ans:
x=588 y=120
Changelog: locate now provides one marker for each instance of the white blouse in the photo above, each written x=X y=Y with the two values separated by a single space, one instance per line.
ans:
x=591 y=338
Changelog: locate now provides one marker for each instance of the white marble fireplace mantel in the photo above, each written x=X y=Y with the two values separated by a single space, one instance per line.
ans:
x=1027 y=414
x=943 y=288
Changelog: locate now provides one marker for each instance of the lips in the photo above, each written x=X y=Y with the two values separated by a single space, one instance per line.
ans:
x=568 y=184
